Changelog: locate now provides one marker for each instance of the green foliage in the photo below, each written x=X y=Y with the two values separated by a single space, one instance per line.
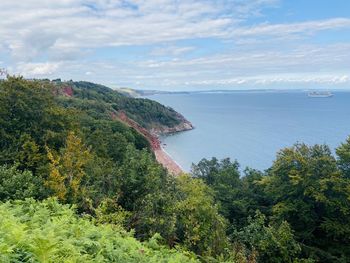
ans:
x=343 y=153
x=46 y=231
x=109 y=211
x=35 y=127
x=199 y=225
x=146 y=112
x=68 y=169
x=29 y=120
x=15 y=184
x=305 y=192
x=183 y=211
x=310 y=192
x=223 y=177
x=140 y=176
x=238 y=197
x=156 y=214
x=273 y=243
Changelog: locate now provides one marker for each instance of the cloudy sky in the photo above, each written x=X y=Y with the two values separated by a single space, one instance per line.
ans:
x=179 y=44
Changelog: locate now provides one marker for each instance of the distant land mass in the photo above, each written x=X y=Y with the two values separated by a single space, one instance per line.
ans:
x=143 y=93
x=136 y=93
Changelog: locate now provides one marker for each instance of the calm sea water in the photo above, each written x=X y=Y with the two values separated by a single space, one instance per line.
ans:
x=252 y=126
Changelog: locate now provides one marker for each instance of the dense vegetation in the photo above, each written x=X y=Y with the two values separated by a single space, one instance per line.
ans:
x=303 y=203
x=50 y=147
x=103 y=100
x=61 y=147
x=49 y=232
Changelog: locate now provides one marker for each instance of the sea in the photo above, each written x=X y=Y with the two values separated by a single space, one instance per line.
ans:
x=252 y=126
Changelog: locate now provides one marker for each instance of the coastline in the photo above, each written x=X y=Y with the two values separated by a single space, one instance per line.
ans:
x=152 y=137
x=167 y=161
x=167 y=153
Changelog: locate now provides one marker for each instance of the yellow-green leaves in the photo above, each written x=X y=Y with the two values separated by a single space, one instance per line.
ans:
x=48 y=232
x=67 y=168
x=200 y=226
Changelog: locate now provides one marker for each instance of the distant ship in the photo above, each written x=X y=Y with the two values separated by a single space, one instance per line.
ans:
x=320 y=94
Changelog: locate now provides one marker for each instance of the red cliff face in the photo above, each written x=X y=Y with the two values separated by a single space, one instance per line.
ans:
x=153 y=140
x=68 y=91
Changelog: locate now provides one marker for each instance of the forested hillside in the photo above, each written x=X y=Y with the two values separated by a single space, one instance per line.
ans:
x=103 y=100
x=61 y=146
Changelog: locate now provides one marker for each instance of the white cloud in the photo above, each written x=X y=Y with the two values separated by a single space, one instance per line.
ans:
x=302 y=58
x=293 y=28
x=268 y=80
x=37 y=69
x=66 y=34
x=37 y=28
x=303 y=79
x=171 y=51
x=33 y=27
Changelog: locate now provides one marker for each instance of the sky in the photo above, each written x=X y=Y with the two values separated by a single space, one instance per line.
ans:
x=180 y=45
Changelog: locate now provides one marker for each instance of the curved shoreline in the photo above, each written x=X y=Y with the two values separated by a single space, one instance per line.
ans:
x=167 y=153
x=161 y=155
x=165 y=159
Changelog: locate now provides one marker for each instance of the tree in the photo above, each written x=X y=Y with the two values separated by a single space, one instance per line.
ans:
x=237 y=196
x=343 y=153
x=68 y=169
x=140 y=175
x=199 y=227
x=16 y=184
x=157 y=214
x=29 y=120
x=310 y=193
x=273 y=243
x=224 y=178
x=30 y=157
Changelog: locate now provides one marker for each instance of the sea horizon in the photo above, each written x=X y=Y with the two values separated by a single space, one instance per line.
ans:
x=252 y=127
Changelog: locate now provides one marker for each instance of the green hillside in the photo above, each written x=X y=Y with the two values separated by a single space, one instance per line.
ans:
x=101 y=99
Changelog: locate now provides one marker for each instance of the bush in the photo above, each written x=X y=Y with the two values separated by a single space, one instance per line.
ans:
x=15 y=184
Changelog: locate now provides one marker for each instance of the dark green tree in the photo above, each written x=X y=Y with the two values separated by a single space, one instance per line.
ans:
x=29 y=120
x=273 y=243
x=310 y=193
x=238 y=196
x=16 y=184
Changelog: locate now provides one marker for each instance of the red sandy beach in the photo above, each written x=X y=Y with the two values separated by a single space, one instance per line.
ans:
x=161 y=156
